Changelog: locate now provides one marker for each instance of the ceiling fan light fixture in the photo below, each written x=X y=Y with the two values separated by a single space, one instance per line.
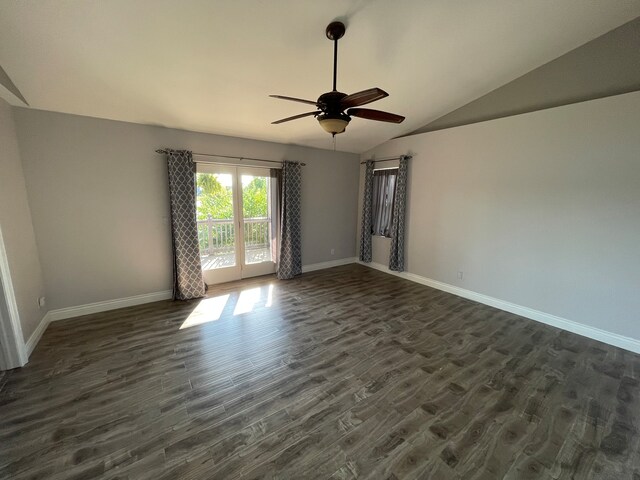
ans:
x=334 y=124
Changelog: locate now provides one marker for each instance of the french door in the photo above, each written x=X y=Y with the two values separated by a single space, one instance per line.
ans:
x=237 y=230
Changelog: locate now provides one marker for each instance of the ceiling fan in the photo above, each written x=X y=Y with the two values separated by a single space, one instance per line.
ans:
x=335 y=108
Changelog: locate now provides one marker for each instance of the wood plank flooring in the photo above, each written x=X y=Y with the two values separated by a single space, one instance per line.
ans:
x=342 y=373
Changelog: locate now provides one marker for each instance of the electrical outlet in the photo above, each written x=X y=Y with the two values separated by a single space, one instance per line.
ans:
x=460 y=275
x=333 y=251
x=41 y=302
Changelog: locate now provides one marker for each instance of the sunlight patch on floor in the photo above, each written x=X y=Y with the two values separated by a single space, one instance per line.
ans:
x=208 y=310
x=247 y=300
x=269 y=296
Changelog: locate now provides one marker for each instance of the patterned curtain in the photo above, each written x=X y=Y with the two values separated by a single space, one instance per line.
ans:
x=396 y=254
x=365 y=231
x=290 y=258
x=187 y=271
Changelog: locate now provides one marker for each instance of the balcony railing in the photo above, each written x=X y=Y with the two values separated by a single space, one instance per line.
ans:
x=217 y=237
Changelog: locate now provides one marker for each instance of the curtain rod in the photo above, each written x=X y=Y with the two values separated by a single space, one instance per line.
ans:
x=162 y=150
x=387 y=159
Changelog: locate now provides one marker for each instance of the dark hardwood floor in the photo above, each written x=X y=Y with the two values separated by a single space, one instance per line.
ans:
x=342 y=373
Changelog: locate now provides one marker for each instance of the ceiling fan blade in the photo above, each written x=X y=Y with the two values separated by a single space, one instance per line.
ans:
x=363 y=97
x=375 y=115
x=301 y=100
x=295 y=117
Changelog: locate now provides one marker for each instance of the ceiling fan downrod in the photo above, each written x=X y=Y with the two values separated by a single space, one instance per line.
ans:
x=335 y=31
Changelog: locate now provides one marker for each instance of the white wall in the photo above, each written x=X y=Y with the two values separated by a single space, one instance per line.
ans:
x=98 y=196
x=17 y=228
x=541 y=210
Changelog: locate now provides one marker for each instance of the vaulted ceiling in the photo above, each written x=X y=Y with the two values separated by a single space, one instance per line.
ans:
x=209 y=66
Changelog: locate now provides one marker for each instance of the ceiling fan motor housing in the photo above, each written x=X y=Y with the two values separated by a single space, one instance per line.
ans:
x=329 y=102
x=332 y=119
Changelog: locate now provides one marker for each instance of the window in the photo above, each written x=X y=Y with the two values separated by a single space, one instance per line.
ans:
x=384 y=194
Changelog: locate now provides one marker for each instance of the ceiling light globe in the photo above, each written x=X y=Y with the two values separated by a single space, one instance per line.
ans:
x=334 y=124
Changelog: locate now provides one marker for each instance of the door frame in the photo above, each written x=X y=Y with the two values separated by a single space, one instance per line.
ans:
x=13 y=351
x=241 y=270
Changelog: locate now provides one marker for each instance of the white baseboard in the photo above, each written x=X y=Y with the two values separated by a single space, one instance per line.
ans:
x=37 y=334
x=70 y=312
x=610 y=338
x=329 y=264
x=97 y=307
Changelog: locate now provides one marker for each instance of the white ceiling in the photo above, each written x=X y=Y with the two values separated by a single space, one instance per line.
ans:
x=209 y=66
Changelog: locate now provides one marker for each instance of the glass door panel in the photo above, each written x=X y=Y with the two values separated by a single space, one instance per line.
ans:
x=257 y=218
x=216 y=212
x=258 y=230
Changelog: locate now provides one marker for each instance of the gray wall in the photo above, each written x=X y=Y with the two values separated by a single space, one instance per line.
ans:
x=541 y=210
x=608 y=65
x=98 y=196
x=17 y=229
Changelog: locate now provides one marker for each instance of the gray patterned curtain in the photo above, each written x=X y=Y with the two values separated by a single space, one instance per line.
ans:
x=365 y=231
x=396 y=253
x=290 y=258
x=187 y=271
